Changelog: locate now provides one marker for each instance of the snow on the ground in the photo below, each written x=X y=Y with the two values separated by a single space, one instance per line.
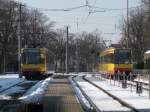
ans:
x=140 y=102
x=5 y=97
x=144 y=79
x=80 y=96
x=50 y=72
x=9 y=76
x=36 y=92
x=101 y=99
x=16 y=89
x=9 y=80
x=75 y=74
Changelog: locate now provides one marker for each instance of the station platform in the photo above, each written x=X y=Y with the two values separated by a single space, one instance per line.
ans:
x=60 y=97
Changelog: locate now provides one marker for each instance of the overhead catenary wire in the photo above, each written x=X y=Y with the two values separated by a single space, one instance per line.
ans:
x=60 y=10
x=115 y=9
x=92 y=8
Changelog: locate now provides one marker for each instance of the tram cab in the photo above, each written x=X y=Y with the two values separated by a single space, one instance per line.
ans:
x=114 y=59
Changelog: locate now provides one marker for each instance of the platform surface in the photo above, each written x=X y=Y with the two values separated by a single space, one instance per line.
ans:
x=60 y=97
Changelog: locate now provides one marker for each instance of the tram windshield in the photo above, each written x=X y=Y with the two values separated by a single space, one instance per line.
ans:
x=31 y=56
x=123 y=56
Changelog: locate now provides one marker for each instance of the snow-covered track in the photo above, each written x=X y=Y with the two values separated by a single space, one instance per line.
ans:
x=16 y=84
x=93 y=108
x=111 y=95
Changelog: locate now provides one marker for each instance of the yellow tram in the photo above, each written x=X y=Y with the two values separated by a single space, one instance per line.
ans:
x=113 y=60
x=33 y=62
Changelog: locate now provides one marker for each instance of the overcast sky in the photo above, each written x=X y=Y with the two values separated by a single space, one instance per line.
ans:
x=107 y=22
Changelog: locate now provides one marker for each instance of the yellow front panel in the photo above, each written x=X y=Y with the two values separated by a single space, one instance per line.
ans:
x=33 y=67
x=123 y=65
x=108 y=68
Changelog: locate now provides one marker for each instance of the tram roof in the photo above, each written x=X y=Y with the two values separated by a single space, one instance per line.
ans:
x=41 y=49
x=110 y=50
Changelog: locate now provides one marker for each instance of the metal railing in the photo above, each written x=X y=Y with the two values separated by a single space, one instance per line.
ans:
x=140 y=79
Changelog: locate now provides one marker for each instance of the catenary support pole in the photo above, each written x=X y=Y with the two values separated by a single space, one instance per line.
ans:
x=128 y=35
x=67 y=50
x=19 y=41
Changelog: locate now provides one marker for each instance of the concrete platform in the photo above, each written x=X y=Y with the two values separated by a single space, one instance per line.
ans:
x=60 y=97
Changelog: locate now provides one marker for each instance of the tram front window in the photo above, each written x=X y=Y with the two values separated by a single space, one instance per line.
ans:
x=31 y=57
x=123 y=57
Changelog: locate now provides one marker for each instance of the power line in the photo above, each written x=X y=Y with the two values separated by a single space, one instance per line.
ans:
x=116 y=9
x=60 y=10
x=91 y=8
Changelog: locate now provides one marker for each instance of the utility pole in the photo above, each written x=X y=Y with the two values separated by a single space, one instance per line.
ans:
x=67 y=50
x=77 y=57
x=128 y=35
x=77 y=53
x=19 y=40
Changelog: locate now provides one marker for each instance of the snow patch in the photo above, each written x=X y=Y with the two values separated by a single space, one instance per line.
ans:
x=140 y=102
x=9 y=76
x=79 y=94
x=9 y=80
x=103 y=101
x=36 y=92
x=5 y=97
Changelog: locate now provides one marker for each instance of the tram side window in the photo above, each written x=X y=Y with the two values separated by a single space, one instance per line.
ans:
x=101 y=60
x=105 y=59
x=109 y=58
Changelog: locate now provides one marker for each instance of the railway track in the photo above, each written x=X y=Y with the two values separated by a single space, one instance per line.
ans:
x=114 y=97
x=16 y=84
x=93 y=106
x=12 y=104
x=5 y=104
x=60 y=97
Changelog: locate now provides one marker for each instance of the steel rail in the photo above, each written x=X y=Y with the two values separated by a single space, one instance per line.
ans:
x=94 y=107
